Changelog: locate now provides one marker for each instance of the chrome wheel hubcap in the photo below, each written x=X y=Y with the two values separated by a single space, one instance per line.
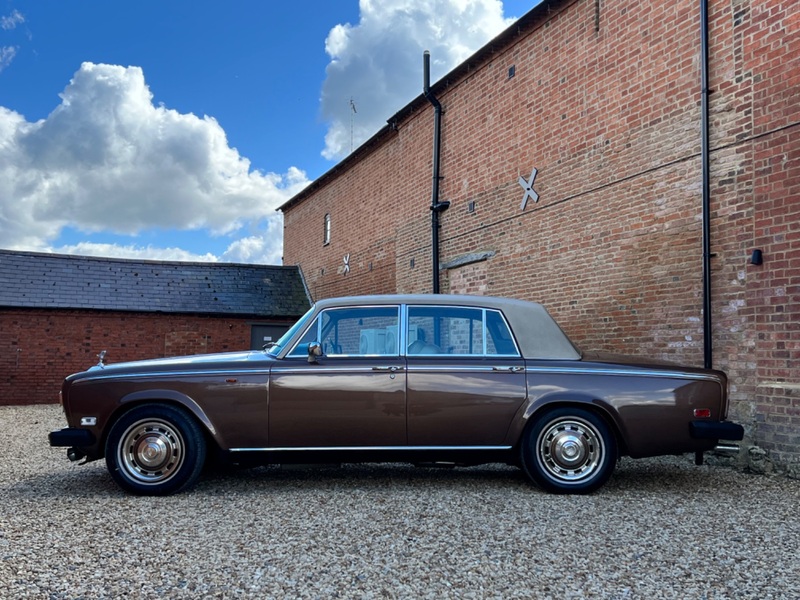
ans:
x=570 y=450
x=151 y=451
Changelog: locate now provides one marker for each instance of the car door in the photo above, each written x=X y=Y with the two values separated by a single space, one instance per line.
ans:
x=466 y=379
x=353 y=396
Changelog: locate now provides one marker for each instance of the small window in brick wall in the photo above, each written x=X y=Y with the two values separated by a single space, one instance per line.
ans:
x=326 y=239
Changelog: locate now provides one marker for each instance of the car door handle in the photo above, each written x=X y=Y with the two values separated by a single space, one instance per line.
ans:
x=392 y=369
x=509 y=369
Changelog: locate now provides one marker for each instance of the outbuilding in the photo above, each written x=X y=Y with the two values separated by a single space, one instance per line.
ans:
x=58 y=312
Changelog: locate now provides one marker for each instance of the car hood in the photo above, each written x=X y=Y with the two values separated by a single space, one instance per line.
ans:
x=222 y=360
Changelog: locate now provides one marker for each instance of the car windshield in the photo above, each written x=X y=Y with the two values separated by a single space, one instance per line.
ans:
x=276 y=347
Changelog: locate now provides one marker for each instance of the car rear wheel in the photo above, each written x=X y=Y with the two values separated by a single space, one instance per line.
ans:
x=155 y=450
x=569 y=451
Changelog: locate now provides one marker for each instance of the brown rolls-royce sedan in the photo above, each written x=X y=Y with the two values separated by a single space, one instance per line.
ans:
x=419 y=378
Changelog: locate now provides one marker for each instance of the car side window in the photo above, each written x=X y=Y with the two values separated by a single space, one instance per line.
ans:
x=499 y=340
x=445 y=330
x=458 y=331
x=355 y=331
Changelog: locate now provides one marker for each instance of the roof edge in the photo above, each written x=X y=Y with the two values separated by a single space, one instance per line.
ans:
x=106 y=259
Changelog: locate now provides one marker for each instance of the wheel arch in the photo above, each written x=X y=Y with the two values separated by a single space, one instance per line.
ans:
x=169 y=398
x=594 y=405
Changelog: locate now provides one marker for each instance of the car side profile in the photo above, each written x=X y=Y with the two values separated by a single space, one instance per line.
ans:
x=426 y=379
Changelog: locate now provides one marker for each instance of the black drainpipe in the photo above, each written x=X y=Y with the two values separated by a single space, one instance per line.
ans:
x=704 y=151
x=436 y=206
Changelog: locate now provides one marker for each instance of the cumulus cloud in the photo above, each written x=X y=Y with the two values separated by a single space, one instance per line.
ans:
x=257 y=248
x=378 y=62
x=108 y=159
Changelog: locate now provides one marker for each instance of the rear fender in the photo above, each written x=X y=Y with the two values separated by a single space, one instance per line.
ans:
x=533 y=409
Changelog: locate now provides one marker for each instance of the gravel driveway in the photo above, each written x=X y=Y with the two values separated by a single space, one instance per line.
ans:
x=662 y=528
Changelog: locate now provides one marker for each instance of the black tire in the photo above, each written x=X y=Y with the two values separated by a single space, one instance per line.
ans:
x=155 y=450
x=569 y=450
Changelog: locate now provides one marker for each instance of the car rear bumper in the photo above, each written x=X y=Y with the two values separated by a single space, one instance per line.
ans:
x=72 y=436
x=716 y=430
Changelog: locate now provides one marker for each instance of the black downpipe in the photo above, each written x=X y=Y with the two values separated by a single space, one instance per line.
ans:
x=436 y=206
x=704 y=152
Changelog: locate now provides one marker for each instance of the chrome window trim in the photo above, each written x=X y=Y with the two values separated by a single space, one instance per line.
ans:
x=485 y=332
x=368 y=448
x=620 y=372
x=403 y=322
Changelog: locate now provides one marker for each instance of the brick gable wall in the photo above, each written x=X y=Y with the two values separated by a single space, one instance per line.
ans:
x=610 y=117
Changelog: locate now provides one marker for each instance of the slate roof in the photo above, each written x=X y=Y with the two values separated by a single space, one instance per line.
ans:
x=36 y=280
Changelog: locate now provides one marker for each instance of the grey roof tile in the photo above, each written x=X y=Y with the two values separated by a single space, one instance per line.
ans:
x=36 y=280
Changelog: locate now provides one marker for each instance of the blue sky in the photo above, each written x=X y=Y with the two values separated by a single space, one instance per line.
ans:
x=173 y=130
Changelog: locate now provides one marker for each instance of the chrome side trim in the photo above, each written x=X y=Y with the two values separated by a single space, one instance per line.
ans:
x=368 y=448
x=621 y=372
x=463 y=369
x=325 y=369
x=159 y=374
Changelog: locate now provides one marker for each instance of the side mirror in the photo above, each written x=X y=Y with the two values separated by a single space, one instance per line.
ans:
x=314 y=350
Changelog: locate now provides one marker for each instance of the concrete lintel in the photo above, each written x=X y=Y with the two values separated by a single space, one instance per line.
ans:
x=467 y=259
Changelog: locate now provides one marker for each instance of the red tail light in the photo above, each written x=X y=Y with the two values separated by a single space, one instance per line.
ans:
x=702 y=413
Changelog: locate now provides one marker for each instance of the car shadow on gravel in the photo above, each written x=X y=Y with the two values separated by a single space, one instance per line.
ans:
x=670 y=475
x=673 y=475
x=363 y=477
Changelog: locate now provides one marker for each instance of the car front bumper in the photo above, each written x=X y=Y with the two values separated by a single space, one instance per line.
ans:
x=72 y=436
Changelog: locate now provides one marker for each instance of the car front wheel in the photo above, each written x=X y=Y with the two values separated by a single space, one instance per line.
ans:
x=155 y=450
x=569 y=451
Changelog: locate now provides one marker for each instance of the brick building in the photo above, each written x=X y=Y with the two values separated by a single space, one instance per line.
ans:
x=58 y=312
x=605 y=100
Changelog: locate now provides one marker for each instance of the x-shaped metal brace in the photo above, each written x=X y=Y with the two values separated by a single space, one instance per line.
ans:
x=528 y=187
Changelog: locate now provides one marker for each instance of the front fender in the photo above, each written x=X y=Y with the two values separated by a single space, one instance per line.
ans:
x=172 y=397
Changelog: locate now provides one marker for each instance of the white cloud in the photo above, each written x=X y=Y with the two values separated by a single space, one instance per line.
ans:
x=11 y=21
x=107 y=159
x=7 y=54
x=258 y=248
x=378 y=62
x=132 y=251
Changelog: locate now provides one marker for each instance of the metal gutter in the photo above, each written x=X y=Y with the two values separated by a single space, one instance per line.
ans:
x=436 y=206
x=706 y=175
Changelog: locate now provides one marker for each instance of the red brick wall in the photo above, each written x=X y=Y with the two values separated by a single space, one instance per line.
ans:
x=613 y=248
x=38 y=348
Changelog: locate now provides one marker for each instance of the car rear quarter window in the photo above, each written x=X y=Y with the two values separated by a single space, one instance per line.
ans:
x=499 y=340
